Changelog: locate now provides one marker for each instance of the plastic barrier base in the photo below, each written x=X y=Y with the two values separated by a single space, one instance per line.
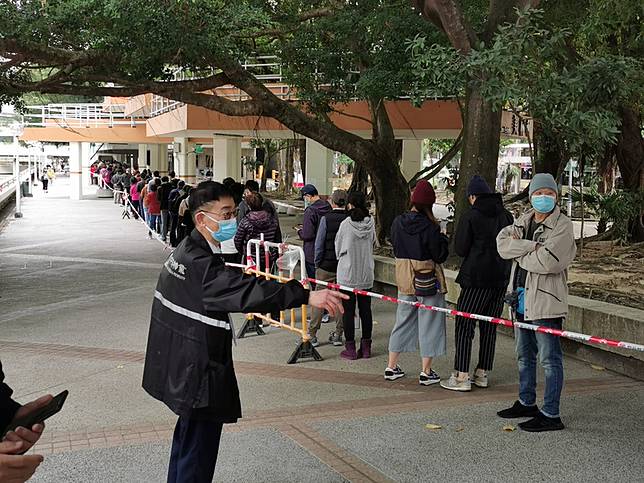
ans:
x=305 y=350
x=251 y=324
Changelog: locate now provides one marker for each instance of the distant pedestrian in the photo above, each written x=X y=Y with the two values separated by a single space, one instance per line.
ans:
x=45 y=182
x=154 y=210
x=257 y=223
x=163 y=194
x=134 y=196
x=314 y=209
x=326 y=262
x=483 y=278
x=419 y=248
x=354 y=245
x=541 y=244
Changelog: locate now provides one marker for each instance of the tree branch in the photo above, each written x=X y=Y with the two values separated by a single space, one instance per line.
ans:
x=448 y=16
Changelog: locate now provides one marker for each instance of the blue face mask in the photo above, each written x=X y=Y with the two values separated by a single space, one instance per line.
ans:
x=543 y=203
x=227 y=229
x=307 y=203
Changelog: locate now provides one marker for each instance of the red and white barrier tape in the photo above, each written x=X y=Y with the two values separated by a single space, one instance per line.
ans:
x=494 y=320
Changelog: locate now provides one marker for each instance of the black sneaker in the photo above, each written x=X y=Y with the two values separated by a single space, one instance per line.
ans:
x=542 y=422
x=393 y=374
x=519 y=411
x=428 y=379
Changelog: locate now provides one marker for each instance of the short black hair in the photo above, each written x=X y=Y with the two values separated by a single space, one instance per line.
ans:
x=156 y=174
x=228 y=182
x=181 y=184
x=165 y=179
x=252 y=185
x=207 y=192
x=172 y=174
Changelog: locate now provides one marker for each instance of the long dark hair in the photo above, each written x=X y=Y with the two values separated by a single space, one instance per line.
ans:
x=360 y=209
x=427 y=210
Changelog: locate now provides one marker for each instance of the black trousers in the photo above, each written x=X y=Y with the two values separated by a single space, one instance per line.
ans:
x=195 y=445
x=482 y=301
x=366 y=318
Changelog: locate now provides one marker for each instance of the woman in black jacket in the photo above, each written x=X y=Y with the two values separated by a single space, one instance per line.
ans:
x=483 y=279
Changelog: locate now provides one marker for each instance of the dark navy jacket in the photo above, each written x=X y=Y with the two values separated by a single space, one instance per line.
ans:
x=189 y=361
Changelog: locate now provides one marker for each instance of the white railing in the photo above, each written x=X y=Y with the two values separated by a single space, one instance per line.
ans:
x=79 y=115
x=265 y=68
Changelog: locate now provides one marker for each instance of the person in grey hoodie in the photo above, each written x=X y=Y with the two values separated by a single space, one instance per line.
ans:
x=354 y=244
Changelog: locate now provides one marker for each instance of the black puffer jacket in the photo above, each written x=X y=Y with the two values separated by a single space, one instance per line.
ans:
x=189 y=360
x=8 y=406
x=475 y=240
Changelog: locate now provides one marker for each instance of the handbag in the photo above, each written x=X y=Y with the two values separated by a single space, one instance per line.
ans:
x=425 y=284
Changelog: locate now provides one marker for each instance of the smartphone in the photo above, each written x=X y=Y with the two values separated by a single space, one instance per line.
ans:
x=40 y=415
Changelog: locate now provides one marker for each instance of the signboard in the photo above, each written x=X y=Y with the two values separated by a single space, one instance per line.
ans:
x=513 y=126
x=198 y=149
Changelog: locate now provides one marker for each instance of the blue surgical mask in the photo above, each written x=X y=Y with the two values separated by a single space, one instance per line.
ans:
x=543 y=203
x=307 y=203
x=227 y=229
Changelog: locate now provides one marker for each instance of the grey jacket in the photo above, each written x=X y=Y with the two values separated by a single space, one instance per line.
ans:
x=546 y=259
x=354 y=244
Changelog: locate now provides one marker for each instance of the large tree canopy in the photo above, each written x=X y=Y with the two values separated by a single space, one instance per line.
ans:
x=331 y=51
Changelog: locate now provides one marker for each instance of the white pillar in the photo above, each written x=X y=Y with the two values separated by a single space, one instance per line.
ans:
x=29 y=188
x=75 y=171
x=159 y=158
x=412 y=157
x=319 y=165
x=86 y=163
x=184 y=161
x=227 y=158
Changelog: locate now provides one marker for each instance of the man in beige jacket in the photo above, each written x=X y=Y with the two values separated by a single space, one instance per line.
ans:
x=541 y=244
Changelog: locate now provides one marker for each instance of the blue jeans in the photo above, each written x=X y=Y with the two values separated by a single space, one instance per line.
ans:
x=153 y=221
x=548 y=347
x=195 y=445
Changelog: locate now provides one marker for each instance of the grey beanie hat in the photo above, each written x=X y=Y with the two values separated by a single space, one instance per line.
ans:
x=543 y=180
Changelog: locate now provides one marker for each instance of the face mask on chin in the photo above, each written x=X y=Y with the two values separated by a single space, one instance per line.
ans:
x=543 y=203
x=227 y=229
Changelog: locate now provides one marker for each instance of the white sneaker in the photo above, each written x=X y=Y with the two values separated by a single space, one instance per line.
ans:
x=393 y=374
x=453 y=384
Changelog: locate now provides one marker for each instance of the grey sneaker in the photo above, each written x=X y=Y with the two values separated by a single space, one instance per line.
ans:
x=453 y=384
x=314 y=341
x=335 y=339
x=480 y=381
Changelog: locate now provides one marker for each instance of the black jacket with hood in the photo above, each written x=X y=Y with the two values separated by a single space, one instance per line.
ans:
x=188 y=362
x=475 y=240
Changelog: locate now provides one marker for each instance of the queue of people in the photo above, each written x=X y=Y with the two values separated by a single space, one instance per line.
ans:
x=189 y=365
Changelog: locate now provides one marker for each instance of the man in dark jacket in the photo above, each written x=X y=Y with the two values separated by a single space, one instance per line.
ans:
x=163 y=195
x=14 y=466
x=189 y=363
x=326 y=263
x=483 y=279
x=315 y=209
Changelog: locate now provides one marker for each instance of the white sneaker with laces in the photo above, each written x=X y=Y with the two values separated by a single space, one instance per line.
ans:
x=480 y=380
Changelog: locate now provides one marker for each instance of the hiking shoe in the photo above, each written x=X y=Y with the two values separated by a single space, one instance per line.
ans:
x=428 y=379
x=542 y=422
x=393 y=374
x=480 y=381
x=335 y=339
x=518 y=410
x=314 y=341
x=453 y=384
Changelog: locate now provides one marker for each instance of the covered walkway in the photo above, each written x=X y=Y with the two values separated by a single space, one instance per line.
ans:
x=76 y=285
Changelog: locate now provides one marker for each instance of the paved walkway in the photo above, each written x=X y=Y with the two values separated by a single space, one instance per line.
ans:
x=76 y=286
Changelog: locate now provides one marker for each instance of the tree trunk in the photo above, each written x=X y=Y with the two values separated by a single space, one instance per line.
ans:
x=550 y=156
x=287 y=176
x=630 y=159
x=360 y=178
x=480 y=152
x=391 y=193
